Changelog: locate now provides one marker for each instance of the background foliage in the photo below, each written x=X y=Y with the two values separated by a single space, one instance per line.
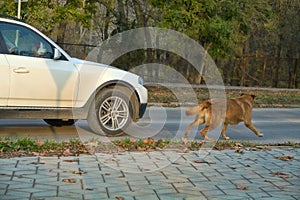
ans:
x=254 y=42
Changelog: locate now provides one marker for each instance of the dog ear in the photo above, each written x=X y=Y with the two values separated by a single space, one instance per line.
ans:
x=252 y=95
x=204 y=105
x=208 y=103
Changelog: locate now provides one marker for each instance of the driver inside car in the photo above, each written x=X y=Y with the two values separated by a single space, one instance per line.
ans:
x=39 y=49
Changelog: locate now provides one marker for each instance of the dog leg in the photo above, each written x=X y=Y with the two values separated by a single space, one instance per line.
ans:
x=188 y=130
x=198 y=121
x=252 y=128
x=224 y=127
x=204 y=131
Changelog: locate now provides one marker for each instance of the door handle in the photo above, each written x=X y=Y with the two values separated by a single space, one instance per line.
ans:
x=21 y=70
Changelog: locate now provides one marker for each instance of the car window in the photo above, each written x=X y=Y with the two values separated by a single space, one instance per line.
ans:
x=22 y=41
x=3 y=48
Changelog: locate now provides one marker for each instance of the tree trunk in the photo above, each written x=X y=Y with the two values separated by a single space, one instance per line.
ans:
x=294 y=75
x=243 y=71
x=61 y=34
x=122 y=18
x=277 y=67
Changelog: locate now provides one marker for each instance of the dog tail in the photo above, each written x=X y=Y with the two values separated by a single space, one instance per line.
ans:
x=196 y=109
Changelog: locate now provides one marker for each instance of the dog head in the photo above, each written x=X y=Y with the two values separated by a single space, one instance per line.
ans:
x=249 y=95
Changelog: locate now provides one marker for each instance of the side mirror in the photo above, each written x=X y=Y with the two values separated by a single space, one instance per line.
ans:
x=57 y=54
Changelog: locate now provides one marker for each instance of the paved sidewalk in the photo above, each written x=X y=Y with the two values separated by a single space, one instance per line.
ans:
x=154 y=175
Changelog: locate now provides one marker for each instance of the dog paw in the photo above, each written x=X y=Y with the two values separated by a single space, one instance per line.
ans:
x=260 y=135
x=226 y=138
x=207 y=139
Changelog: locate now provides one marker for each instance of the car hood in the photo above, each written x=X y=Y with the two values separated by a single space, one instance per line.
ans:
x=78 y=61
x=105 y=72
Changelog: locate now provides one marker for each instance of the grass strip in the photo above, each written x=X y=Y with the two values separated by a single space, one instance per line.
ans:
x=32 y=147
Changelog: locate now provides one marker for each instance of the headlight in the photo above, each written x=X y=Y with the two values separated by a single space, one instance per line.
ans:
x=141 y=80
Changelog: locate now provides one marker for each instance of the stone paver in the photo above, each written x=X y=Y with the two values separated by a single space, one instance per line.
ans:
x=154 y=175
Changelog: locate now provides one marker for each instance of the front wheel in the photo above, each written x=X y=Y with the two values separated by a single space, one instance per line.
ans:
x=110 y=113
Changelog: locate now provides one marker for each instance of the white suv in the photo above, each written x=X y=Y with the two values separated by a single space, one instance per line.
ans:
x=39 y=80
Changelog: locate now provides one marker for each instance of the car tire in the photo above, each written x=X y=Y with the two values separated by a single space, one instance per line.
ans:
x=111 y=112
x=60 y=122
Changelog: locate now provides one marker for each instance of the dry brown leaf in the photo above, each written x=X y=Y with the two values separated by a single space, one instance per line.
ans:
x=239 y=145
x=285 y=158
x=78 y=172
x=72 y=160
x=36 y=153
x=263 y=148
x=242 y=187
x=239 y=150
x=151 y=140
x=204 y=161
x=67 y=152
x=281 y=174
x=71 y=180
x=38 y=163
x=140 y=148
x=145 y=170
x=232 y=167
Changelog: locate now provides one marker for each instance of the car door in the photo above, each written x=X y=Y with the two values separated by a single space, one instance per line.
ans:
x=4 y=83
x=36 y=79
x=4 y=73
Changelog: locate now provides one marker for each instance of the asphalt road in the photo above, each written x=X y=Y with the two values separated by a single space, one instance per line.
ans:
x=278 y=126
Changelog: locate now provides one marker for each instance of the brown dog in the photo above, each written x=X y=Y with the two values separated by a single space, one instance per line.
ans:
x=212 y=112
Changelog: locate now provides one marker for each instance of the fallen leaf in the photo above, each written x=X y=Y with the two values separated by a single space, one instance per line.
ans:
x=120 y=198
x=140 y=149
x=38 y=163
x=239 y=144
x=242 y=187
x=151 y=140
x=73 y=160
x=204 y=161
x=71 y=180
x=67 y=152
x=239 y=150
x=285 y=158
x=232 y=167
x=78 y=172
x=145 y=170
x=36 y=153
x=263 y=148
x=281 y=174
x=145 y=141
